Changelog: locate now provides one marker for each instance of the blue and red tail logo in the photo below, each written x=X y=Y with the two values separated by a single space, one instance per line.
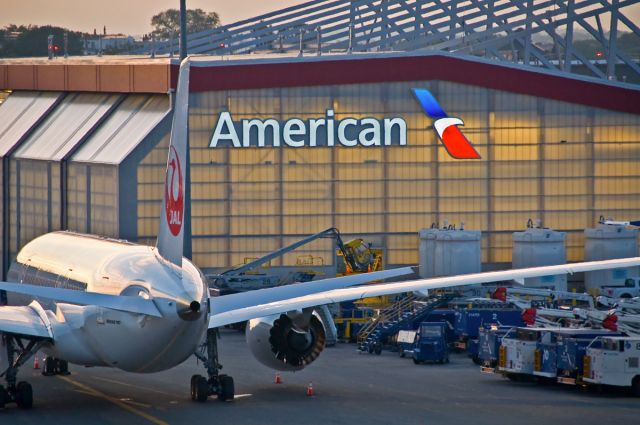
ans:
x=447 y=127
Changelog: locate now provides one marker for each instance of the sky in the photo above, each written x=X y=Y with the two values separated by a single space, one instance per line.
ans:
x=123 y=16
x=133 y=17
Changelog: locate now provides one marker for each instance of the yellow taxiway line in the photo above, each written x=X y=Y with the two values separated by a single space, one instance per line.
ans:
x=119 y=403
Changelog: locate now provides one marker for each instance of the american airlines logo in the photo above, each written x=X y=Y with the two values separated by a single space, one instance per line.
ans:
x=447 y=127
x=330 y=131
x=297 y=133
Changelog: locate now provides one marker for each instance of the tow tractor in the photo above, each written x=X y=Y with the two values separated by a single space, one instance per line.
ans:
x=430 y=343
x=613 y=361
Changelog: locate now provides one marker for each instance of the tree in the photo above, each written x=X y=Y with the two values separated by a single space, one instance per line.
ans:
x=166 y=24
x=32 y=41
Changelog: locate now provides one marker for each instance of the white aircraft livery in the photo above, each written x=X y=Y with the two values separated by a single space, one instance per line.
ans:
x=95 y=301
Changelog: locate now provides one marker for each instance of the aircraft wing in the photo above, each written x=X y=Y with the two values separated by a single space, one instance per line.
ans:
x=24 y=321
x=269 y=295
x=116 y=302
x=253 y=310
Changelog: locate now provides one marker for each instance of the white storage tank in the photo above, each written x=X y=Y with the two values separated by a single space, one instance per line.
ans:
x=540 y=247
x=605 y=242
x=457 y=252
x=427 y=251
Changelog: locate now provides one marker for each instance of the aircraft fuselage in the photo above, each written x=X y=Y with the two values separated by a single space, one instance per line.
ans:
x=97 y=336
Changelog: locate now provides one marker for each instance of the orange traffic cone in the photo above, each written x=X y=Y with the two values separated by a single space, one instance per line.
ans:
x=278 y=379
x=310 y=390
x=36 y=363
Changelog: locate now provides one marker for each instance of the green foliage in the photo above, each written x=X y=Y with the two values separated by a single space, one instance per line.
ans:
x=32 y=41
x=166 y=24
x=628 y=43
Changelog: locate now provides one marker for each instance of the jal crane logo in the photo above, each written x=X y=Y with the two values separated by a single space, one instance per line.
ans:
x=174 y=193
x=452 y=138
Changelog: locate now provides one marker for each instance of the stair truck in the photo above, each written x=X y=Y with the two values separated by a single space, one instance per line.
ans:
x=430 y=344
x=613 y=361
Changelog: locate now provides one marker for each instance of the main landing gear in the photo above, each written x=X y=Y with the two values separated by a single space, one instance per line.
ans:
x=53 y=366
x=20 y=393
x=216 y=383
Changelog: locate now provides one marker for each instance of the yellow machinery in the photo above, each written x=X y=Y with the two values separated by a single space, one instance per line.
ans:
x=355 y=257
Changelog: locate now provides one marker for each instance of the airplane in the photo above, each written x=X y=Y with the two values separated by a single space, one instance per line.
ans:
x=96 y=301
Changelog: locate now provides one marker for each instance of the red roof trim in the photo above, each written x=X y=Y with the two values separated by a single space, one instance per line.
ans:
x=411 y=68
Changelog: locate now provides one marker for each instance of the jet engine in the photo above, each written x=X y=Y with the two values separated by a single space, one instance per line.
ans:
x=287 y=342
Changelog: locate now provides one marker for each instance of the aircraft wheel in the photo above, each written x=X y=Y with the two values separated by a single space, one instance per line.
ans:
x=227 y=388
x=24 y=395
x=194 y=380
x=201 y=389
x=63 y=367
x=4 y=397
x=635 y=386
x=49 y=366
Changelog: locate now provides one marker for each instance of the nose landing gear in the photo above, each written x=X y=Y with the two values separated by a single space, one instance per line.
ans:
x=216 y=383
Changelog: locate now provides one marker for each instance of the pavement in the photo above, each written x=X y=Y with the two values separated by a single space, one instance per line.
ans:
x=350 y=388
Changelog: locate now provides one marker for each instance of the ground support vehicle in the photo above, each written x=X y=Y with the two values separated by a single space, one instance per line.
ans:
x=405 y=341
x=517 y=352
x=563 y=343
x=430 y=344
x=613 y=361
x=571 y=347
x=468 y=320
x=630 y=289
x=489 y=342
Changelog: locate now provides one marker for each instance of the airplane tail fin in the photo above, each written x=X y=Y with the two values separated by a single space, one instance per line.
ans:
x=170 y=243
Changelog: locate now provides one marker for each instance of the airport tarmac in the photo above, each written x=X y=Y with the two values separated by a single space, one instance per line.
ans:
x=349 y=388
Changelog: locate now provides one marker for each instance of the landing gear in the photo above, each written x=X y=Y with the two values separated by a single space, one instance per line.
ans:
x=17 y=354
x=216 y=383
x=53 y=366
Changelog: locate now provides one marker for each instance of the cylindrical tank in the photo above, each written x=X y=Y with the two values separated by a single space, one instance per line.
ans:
x=540 y=247
x=606 y=242
x=427 y=252
x=457 y=252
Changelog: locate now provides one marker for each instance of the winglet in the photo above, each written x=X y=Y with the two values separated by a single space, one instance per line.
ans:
x=170 y=241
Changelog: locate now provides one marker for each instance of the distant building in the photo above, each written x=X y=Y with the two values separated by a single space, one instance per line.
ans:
x=108 y=43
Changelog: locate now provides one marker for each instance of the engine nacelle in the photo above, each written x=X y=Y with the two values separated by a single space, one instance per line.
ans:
x=278 y=343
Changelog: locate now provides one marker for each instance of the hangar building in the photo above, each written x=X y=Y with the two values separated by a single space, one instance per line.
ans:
x=283 y=146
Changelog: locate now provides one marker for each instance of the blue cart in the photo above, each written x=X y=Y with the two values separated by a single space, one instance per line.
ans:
x=431 y=344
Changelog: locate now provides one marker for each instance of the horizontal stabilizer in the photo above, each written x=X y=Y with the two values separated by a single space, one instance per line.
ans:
x=349 y=294
x=115 y=302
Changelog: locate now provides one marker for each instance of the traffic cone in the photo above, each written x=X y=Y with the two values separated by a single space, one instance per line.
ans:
x=36 y=363
x=310 y=390
x=278 y=379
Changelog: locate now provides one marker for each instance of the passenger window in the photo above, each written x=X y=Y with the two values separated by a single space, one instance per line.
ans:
x=629 y=283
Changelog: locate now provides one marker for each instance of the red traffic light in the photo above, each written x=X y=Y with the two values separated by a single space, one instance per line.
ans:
x=56 y=48
x=599 y=54
x=221 y=45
